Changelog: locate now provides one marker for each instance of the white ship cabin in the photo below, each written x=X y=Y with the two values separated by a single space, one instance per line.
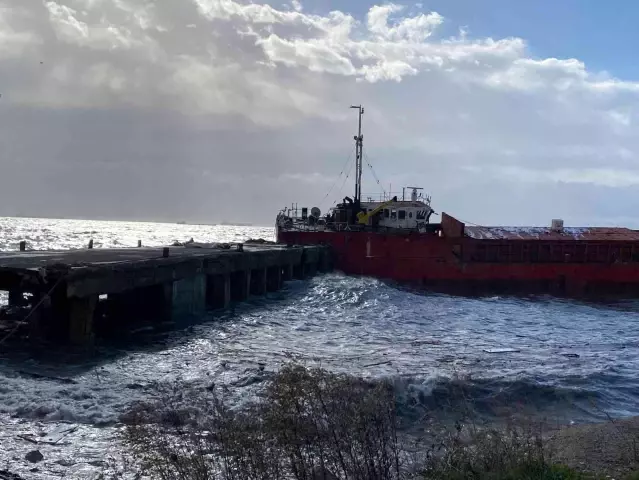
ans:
x=400 y=214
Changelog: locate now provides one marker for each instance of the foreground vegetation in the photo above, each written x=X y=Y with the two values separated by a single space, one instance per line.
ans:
x=311 y=424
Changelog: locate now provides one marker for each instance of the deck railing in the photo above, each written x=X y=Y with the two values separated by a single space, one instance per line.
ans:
x=385 y=196
x=299 y=225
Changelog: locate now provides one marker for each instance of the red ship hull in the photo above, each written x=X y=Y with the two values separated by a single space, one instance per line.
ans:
x=606 y=263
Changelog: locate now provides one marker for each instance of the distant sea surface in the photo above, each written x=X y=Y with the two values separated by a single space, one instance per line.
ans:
x=562 y=360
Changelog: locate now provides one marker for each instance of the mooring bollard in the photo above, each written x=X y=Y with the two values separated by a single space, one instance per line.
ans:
x=165 y=252
x=139 y=243
x=91 y=243
x=23 y=246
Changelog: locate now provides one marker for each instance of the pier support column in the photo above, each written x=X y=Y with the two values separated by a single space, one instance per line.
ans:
x=165 y=301
x=188 y=296
x=81 y=312
x=299 y=271
x=218 y=291
x=240 y=285
x=54 y=313
x=274 y=278
x=258 y=281
x=287 y=273
x=311 y=269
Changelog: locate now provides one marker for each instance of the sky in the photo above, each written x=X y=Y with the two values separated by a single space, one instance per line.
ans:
x=506 y=113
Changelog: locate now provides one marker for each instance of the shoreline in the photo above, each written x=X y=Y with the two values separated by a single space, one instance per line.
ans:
x=602 y=448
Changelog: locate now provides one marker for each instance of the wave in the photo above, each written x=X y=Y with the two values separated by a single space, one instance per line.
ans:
x=494 y=399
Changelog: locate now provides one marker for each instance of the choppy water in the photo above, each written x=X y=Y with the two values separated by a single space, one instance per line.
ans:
x=567 y=360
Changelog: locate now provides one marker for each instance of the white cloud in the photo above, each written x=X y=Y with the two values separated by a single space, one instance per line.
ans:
x=316 y=56
x=15 y=40
x=444 y=111
x=412 y=29
x=98 y=31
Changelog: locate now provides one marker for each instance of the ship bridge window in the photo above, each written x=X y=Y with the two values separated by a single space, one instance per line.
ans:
x=393 y=214
x=386 y=213
x=402 y=214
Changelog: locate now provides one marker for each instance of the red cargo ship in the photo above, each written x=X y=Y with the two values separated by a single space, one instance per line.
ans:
x=395 y=239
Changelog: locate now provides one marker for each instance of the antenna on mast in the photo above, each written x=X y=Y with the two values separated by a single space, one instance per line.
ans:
x=359 y=144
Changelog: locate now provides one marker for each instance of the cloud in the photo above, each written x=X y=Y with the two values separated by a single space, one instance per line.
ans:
x=413 y=29
x=173 y=107
x=14 y=41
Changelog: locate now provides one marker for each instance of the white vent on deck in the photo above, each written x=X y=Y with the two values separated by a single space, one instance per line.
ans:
x=557 y=225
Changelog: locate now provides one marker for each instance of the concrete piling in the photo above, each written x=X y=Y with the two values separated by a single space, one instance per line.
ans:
x=240 y=285
x=165 y=294
x=81 y=313
x=188 y=296
x=310 y=269
x=219 y=291
x=56 y=313
x=287 y=273
x=273 y=278
x=35 y=321
x=299 y=271
x=258 y=281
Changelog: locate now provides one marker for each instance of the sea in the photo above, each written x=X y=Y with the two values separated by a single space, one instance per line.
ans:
x=561 y=360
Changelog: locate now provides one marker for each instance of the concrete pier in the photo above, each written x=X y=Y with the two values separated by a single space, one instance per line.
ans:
x=150 y=284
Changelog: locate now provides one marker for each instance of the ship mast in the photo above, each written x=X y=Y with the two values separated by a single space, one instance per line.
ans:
x=359 y=144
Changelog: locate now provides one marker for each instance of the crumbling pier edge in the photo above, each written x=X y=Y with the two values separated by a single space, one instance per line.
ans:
x=158 y=288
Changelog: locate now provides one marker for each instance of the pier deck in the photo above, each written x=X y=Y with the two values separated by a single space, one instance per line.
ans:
x=68 y=287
